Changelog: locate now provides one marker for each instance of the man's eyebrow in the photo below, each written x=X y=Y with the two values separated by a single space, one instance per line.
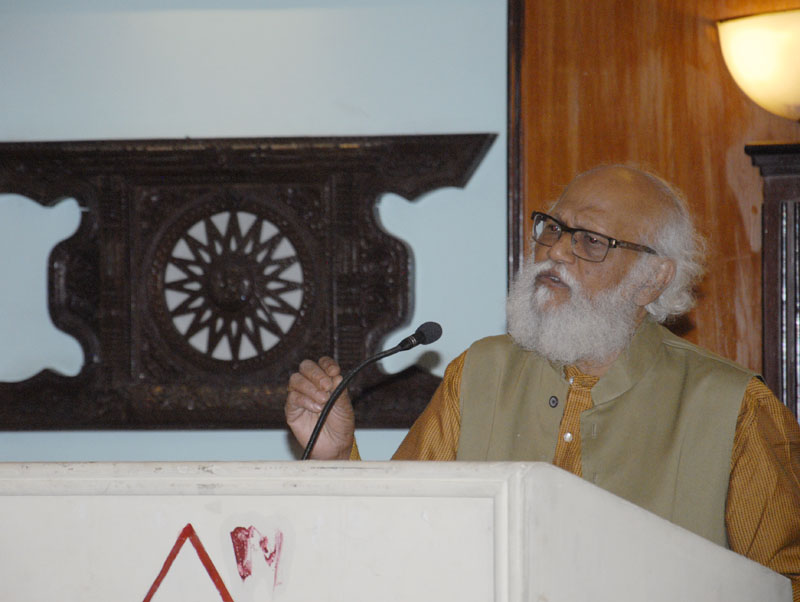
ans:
x=578 y=225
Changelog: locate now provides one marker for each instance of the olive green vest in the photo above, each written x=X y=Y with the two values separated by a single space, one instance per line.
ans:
x=660 y=433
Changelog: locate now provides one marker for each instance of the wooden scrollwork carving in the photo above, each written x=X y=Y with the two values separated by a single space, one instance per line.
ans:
x=203 y=271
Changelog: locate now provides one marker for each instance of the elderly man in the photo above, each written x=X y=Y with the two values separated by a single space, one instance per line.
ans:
x=588 y=380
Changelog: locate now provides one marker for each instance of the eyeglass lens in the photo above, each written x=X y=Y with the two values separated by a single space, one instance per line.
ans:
x=586 y=245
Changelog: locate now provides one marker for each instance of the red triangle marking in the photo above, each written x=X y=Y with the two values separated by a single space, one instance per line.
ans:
x=189 y=533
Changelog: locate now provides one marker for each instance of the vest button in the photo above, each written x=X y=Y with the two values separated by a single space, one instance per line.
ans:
x=567 y=437
x=553 y=401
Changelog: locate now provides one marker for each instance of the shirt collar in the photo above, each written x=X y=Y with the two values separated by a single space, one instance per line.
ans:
x=578 y=379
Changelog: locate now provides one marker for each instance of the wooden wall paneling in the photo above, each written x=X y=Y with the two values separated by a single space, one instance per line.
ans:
x=644 y=82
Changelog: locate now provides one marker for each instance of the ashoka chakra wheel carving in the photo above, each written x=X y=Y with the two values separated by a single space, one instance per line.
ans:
x=230 y=283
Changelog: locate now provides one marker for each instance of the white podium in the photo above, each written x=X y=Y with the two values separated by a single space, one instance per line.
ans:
x=350 y=532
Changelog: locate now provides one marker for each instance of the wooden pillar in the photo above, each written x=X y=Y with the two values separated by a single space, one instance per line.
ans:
x=780 y=169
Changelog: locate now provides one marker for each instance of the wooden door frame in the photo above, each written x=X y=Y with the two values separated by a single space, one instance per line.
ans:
x=515 y=172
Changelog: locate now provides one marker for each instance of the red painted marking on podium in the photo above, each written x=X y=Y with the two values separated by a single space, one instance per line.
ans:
x=189 y=533
x=242 y=539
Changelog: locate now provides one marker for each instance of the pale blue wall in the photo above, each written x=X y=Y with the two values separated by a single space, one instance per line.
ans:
x=99 y=70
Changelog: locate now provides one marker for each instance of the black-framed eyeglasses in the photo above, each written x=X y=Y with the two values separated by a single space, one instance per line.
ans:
x=588 y=245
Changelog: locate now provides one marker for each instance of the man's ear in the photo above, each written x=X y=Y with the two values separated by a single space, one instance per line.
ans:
x=652 y=289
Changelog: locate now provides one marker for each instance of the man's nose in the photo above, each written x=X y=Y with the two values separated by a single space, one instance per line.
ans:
x=562 y=250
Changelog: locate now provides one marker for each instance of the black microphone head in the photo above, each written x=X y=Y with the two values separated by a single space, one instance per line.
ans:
x=428 y=332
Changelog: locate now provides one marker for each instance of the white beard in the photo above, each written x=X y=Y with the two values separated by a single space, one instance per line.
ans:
x=578 y=330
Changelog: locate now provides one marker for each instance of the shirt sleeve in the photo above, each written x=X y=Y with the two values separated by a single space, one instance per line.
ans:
x=434 y=435
x=763 y=507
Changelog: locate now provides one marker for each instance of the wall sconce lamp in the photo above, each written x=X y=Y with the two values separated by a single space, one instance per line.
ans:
x=762 y=52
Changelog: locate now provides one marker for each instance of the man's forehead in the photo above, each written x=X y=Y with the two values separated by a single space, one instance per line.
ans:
x=611 y=181
x=609 y=191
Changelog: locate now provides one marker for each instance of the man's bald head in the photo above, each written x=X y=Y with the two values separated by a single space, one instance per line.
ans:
x=636 y=205
x=594 y=276
x=638 y=194
x=651 y=212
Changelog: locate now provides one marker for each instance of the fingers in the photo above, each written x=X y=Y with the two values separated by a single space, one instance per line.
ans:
x=307 y=393
x=329 y=365
x=310 y=387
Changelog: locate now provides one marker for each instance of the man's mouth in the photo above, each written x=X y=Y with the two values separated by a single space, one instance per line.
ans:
x=550 y=278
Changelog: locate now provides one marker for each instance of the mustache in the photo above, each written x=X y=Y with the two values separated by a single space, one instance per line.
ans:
x=550 y=268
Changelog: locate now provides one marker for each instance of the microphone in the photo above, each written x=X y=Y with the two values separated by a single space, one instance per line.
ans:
x=426 y=334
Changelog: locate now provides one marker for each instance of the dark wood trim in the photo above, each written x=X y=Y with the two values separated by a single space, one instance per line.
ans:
x=779 y=164
x=516 y=172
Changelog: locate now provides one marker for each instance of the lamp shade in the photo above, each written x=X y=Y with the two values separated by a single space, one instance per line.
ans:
x=762 y=53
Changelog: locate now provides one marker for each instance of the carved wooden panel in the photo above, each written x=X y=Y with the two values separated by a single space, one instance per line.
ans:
x=780 y=169
x=203 y=271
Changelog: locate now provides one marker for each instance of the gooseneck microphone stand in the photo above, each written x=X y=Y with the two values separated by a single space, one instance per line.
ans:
x=425 y=334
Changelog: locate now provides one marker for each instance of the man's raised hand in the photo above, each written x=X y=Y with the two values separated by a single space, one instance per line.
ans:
x=309 y=388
